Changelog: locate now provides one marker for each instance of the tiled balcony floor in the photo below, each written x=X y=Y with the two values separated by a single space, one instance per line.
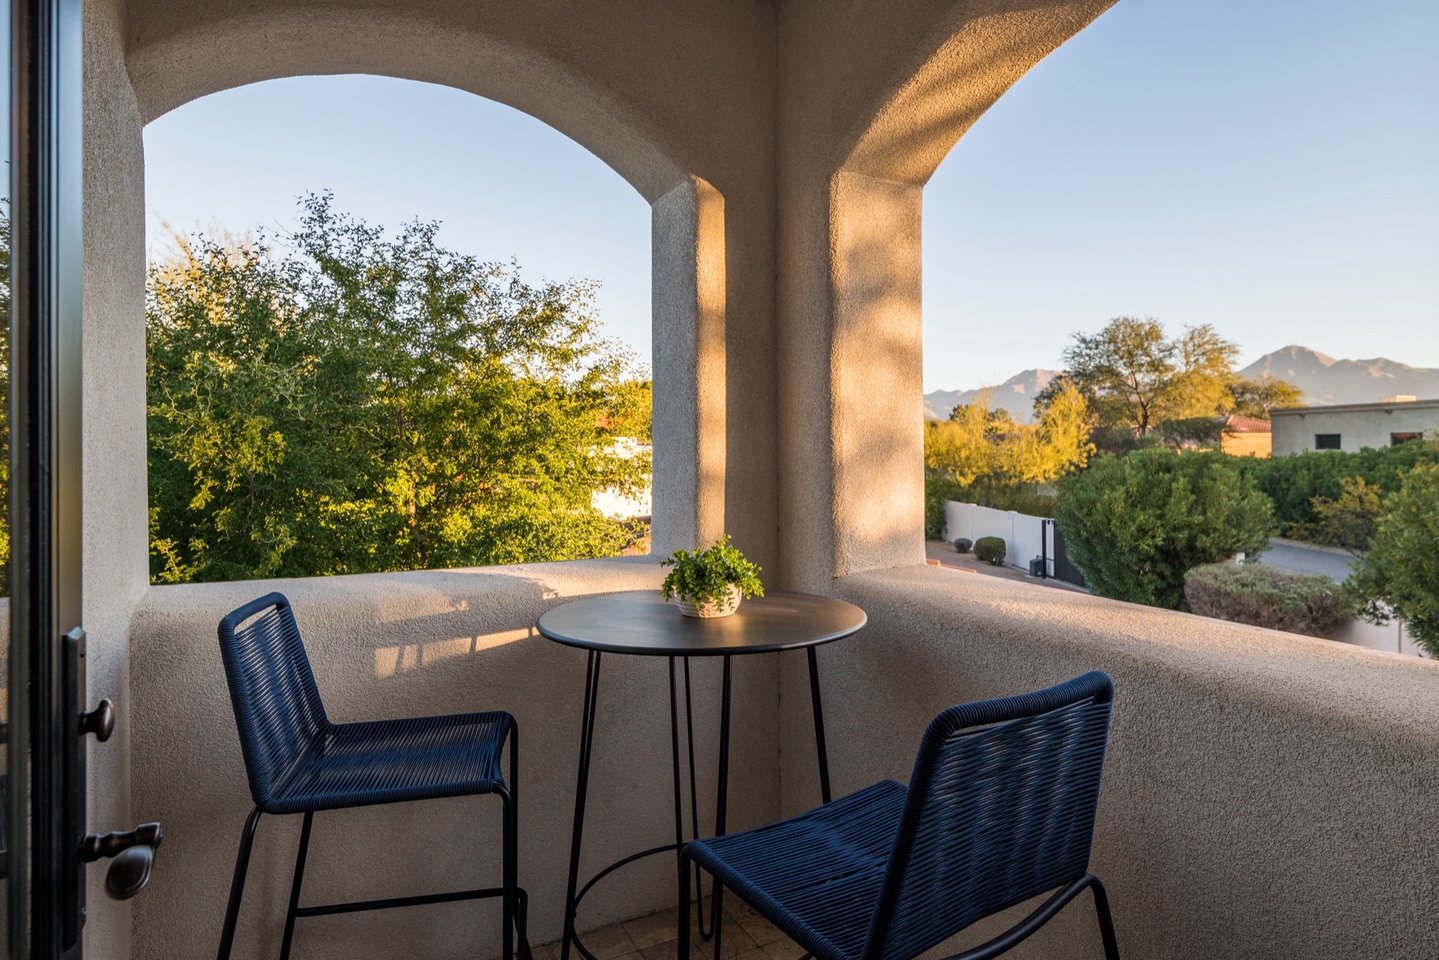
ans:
x=746 y=936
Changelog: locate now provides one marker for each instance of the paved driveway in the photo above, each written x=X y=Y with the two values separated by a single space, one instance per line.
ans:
x=1301 y=558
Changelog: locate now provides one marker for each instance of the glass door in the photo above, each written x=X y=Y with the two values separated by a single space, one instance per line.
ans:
x=46 y=724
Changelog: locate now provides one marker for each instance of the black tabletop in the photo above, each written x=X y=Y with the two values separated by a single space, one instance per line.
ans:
x=642 y=622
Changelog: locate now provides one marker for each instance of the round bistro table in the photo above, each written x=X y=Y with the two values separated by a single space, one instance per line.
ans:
x=642 y=623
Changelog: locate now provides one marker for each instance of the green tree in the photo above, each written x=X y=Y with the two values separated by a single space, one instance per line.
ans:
x=1255 y=398
x=978 y=444
x=1135 y=525
x=1399 y=576
x=983 y=456
x=1135 y=377
x=352 y=402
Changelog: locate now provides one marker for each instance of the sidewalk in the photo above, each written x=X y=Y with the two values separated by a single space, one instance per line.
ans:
x=942 y=554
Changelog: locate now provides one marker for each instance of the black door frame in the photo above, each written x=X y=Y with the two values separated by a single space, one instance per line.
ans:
x=46 y=893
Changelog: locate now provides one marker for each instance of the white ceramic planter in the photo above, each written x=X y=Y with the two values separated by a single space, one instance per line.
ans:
x=722 y=607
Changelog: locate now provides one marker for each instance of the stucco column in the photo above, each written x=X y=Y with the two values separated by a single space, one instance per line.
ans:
x=688 y=230
x=876 y=401
x=116 y=537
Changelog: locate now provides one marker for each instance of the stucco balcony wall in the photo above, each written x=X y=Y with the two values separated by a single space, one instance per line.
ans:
x=415 y=644
x=1265 y=795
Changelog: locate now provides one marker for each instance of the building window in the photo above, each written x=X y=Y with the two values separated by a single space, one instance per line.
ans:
x=1397 y=438
x=1326 y=441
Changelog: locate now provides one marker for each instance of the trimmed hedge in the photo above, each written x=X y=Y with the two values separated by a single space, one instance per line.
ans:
x=990 y=550
x=1294 y=481
x=963 y=544
x=1264 y=597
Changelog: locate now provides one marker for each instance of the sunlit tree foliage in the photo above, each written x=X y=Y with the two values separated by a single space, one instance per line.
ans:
x=344 y=402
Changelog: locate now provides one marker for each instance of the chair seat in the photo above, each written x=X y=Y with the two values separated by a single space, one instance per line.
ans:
x=817 y=875
x=388 y=761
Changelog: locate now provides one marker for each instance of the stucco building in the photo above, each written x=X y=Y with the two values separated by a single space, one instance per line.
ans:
x=1246 y=436
x=1353 y=426
x=1265 y=794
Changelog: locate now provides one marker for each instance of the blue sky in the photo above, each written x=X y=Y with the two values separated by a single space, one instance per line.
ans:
x=1268 y=166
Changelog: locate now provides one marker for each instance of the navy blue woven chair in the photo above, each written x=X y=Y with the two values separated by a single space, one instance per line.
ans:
x=1000 y=808
x=299 y=762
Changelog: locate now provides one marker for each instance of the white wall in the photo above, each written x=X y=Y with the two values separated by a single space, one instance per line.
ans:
x=1025 y=537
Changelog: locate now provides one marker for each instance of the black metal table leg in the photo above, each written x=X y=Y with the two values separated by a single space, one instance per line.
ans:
x=722 y=800
x=675 y=758
x=587 y=739
x=704 y=932
x=818 y=726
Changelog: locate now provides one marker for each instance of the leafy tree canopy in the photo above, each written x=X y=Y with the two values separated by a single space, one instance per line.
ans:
x=1255 y=398
x=1137 y=378
x=345 y=402
x=977 y=443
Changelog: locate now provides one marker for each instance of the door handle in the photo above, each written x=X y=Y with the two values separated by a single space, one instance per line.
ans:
x=133 y=852
x=100 y=721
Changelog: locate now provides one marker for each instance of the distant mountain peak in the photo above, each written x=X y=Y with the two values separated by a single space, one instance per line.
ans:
x=1295 y=352
x=1016 y=395
x=1323 y=380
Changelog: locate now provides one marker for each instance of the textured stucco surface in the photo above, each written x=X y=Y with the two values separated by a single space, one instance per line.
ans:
x=417 y=644
x=1359 y=425
x=872 y=97
x=116 y=563
x=1265 y=795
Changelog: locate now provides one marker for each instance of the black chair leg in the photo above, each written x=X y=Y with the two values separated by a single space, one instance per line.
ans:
x=510 y=896
x=237 y=884
x=682 y=951
x=295 y=885
x=716 y=919
x=1106 y=922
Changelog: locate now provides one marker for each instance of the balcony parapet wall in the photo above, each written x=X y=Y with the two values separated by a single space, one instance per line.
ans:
x=1265 y=795
x=414 y=644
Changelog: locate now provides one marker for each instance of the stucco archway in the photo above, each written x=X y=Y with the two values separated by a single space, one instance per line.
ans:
x=858 y=178
x=173 y=56
x=680 y=126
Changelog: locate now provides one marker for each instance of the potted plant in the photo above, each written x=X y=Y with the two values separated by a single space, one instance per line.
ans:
x=710 y=583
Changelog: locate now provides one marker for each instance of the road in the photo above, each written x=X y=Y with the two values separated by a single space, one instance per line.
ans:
x=1298 y=558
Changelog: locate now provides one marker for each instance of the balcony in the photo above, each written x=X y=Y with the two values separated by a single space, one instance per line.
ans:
x=1265 y=795
x=1262 y=791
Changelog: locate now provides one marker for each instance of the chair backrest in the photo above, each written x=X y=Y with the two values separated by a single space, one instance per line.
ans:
x=277 y=705
x=1000 y=808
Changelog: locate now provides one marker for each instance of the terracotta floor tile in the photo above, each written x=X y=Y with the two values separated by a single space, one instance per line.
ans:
x=608 y=943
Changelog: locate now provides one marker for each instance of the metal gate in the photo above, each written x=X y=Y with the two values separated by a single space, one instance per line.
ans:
x=1064 y=570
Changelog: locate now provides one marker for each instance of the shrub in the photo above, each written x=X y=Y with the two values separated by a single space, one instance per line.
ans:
x=1293 y=482
x=963 y=544
x=1347 y=522
x=990 y=550
x=1135 y=526
x=1264 y=597
x=1397 y=577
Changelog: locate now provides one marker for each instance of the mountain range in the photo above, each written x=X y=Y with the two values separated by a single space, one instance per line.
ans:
x=1323 y=379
